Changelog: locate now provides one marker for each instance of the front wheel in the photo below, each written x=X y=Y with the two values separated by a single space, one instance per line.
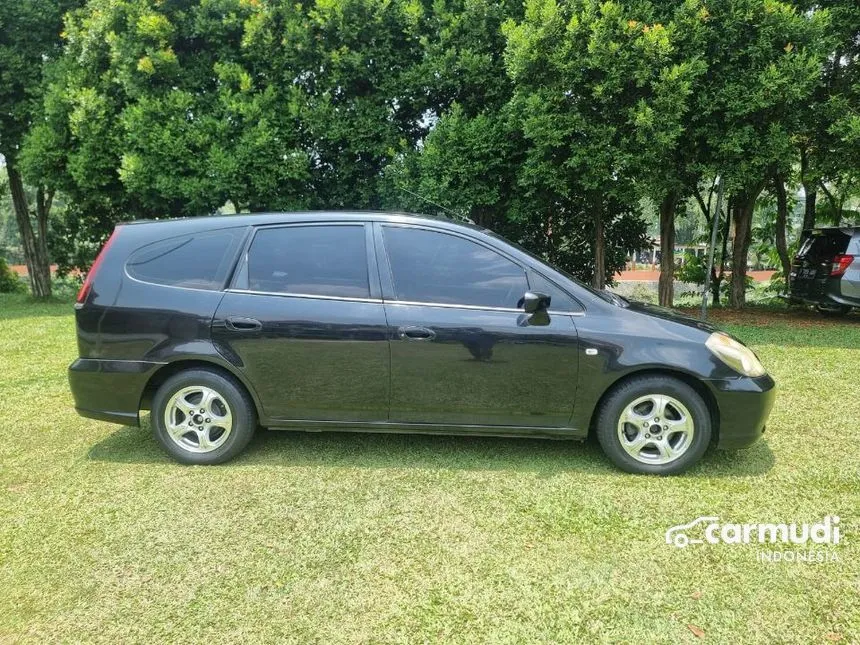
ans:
x=203 y=417
x=654 y=425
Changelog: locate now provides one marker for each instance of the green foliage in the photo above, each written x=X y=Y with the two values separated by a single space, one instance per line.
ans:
x=9 y=280
x=66 y=287
x=546 y=121
x=694 y=270
x=29 y=37
x=601 y=92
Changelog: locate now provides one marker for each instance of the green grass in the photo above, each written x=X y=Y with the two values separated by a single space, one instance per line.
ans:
x=356 y=538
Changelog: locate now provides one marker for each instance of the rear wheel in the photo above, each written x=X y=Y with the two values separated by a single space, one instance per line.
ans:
x=203 y=417
x=833 y=310
x=654 y=424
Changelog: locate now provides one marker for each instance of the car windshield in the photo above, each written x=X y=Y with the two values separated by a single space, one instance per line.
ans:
x=608 y=296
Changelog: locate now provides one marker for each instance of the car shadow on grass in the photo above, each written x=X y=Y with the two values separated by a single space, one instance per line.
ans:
x=285 y=448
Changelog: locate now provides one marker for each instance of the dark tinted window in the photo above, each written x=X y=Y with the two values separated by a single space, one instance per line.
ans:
x=560 y=300
x=310 y=260
x=199 y=261
x=435 y=267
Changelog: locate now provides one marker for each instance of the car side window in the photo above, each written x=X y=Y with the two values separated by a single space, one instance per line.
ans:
x=198 y=261
x=560 y=301
x=434 y=267
x=310 y=260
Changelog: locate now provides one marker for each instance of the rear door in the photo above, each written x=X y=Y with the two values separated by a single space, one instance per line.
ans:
x=811 y=268
x=304 y=320
x=462 y=352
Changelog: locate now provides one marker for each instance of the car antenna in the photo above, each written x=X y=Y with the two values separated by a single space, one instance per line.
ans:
x=456 y=216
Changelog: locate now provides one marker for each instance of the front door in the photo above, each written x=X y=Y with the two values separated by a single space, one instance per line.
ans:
x=305 y=322
x=462 y=352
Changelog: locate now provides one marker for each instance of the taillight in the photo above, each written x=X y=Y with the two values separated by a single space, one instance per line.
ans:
x=841 y=264
x=84 y=291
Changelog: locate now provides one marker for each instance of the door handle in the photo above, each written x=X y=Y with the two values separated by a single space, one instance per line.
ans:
x=239 y=323
x=416 y=333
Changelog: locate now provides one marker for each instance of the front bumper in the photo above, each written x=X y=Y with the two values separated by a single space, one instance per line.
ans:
x=745 y=404
x=110 y=390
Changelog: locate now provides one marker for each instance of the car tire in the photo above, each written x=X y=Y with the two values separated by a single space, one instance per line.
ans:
x=202 y=416
x=642 y=442
x=833 y=310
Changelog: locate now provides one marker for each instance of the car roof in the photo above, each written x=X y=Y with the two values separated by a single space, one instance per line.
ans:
x=261 y=219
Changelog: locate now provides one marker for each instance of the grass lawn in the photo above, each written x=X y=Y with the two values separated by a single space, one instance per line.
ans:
x=348 y=537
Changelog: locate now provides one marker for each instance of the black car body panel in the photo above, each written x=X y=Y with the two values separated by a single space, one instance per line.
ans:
x=331 y=356
x=373 y=360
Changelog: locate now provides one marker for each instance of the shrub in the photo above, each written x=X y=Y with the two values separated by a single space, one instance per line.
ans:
x=9 y=280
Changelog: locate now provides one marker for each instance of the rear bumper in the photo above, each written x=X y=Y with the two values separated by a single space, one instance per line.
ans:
x=745 y=404
x=110 y=390
x=824 y=299
x=825 y=291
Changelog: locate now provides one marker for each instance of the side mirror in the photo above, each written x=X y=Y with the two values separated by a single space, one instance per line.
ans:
x=534 y=301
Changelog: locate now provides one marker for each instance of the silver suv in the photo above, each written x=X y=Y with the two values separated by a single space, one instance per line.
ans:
x=826 y=270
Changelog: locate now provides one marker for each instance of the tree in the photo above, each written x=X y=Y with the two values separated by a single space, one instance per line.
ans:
x=828 y=139
x=601 y=97
x=467 y=165
x=178 y=108
x=29 y=35
x=158 y=111
x=475 y=162
x=547 y=121
x=763 y=58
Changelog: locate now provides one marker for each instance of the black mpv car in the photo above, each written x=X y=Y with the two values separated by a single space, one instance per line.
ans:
x=393 y=323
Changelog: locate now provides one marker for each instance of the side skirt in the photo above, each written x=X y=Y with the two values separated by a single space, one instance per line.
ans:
x=427 y=428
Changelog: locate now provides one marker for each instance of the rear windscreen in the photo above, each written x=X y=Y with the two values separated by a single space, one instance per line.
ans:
x=198 y=261
x=823 y=245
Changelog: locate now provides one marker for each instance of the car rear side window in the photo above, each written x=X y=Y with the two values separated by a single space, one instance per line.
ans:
x=310 y=260
x=434 y=267
x=199 y=261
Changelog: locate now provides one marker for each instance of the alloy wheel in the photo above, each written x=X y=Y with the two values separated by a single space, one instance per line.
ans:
x=656 y=429
x=198 y=419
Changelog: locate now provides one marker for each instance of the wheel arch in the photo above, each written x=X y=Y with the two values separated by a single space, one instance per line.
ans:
x=175 y=367
x=700 y=388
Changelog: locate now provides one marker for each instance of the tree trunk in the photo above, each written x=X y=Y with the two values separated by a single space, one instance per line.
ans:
x=809 y=206
x=667 y=250
x=742 y=211
x=716 y=281
x=781 y=222
x=598 y=281
x=44 y=201
x=810 y=193
x=35 y=248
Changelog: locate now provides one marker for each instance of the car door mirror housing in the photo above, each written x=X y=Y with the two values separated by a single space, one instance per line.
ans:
x=534 y=301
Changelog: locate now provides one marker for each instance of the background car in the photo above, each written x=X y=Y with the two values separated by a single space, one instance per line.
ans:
x=826 y=270
x=391 y=323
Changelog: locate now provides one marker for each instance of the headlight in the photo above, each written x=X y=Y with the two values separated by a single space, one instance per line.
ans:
x=737 y=356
